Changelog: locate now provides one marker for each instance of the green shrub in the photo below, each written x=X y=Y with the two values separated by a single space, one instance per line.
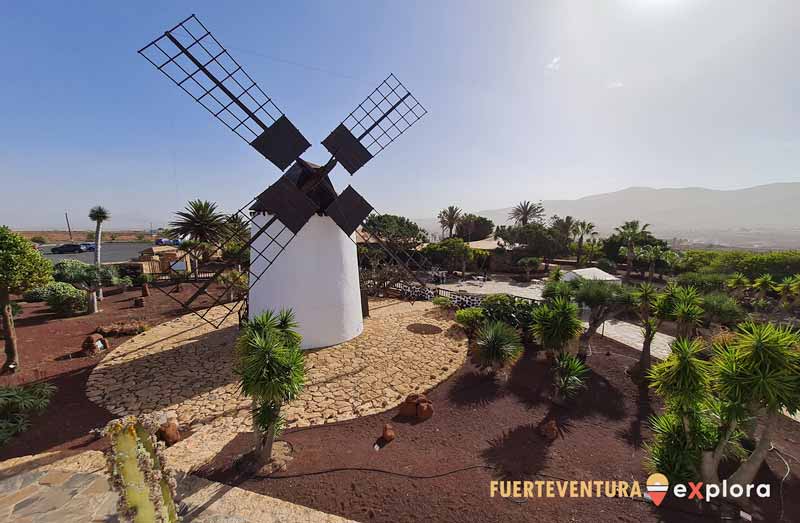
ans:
x=63 y=298
x=604 y=264
x=35 y=295
x=761 y=305
x=16 y=309
x=499 y=307
x=704 y=282
x=670 y=453
x=569 y=374
x=720 y=308
x=141 y=279
x=498 y=344
x=443 y=302
x=558 y=289
x=15 y=405
x=125 y=281
x=752 y=264
x=470 y=319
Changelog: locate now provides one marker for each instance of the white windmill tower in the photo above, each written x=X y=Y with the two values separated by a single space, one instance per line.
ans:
x=301 y=251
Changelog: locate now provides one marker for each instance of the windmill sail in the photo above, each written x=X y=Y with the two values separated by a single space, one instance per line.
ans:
x=388 y=111
x=189 y=55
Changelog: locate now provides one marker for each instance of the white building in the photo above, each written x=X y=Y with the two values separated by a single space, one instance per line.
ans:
x=590 y=273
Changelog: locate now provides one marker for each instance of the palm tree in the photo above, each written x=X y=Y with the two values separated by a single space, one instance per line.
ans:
x=199 y=221
x=556 y=323
x=603 y=299
x=271 y=370
x=593 y=247
x=98 y=214
x=631 y=232
x=651 y=255
x=653 y=308
x=526 y=212
x=686 y=310
x=449 y=218
x=583 y=229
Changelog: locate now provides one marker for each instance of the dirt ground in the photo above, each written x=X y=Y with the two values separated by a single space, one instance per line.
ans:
x=47 y=344
x=482 y=429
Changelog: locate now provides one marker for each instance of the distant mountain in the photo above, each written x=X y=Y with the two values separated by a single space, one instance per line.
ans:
x=765 y=216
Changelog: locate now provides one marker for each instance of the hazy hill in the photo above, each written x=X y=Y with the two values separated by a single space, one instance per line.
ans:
x=766 y=216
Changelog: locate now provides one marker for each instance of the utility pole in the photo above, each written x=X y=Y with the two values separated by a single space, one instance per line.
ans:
x=69 y=229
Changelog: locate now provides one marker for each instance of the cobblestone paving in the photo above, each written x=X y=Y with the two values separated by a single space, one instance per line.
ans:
x=184 y=366
x=65 y=492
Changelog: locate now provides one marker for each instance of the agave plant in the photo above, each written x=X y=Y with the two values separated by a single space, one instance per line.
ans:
x=498 y=345
x=738 y=283
x=569 y=374
x=788 y=289
x=763 y=284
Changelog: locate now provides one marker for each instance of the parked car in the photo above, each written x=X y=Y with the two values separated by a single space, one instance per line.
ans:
x=67 y=248
x=167 y=241
x=88 y=246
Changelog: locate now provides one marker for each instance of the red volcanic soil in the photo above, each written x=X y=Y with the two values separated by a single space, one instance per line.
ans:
x=440 y=469
x=47 y=346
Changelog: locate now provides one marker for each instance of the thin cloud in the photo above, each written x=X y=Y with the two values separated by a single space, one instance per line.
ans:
x=615 y=85
x=554 y=65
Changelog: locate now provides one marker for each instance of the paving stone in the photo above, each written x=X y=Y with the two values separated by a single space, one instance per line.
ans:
x=44 y=501
x=55 y=478
x=10 y=499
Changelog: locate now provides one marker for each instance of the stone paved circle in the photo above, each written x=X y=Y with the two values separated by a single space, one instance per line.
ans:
x=184 y=366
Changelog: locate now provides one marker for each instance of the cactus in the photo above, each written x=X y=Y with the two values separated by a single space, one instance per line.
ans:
x=136 y=469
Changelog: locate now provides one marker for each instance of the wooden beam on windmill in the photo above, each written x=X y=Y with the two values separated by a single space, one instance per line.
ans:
x=189 y=55
x=386 y=113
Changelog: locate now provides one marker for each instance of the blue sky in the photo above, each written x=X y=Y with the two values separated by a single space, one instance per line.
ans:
x=526 y=100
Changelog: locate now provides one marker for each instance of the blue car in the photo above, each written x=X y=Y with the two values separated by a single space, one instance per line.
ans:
x=67 y=248
x=88 y=246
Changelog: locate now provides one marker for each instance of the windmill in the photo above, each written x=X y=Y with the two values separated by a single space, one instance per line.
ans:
x=295 y=238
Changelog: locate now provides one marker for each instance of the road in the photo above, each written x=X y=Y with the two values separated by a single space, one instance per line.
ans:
x=111 y=252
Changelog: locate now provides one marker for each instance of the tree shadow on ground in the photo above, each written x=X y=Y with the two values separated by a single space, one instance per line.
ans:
x=530 y=380
x=521 y=452
x=475 y=389
x=634 y=434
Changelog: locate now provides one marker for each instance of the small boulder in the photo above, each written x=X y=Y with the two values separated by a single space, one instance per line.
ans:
x=408 y=409
x=388 y=433
x=424 y=410
x=94 y=344
x=145 y=290
x=138 y=302
x=416 y=406
x=169 y=432
x=549 y=430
